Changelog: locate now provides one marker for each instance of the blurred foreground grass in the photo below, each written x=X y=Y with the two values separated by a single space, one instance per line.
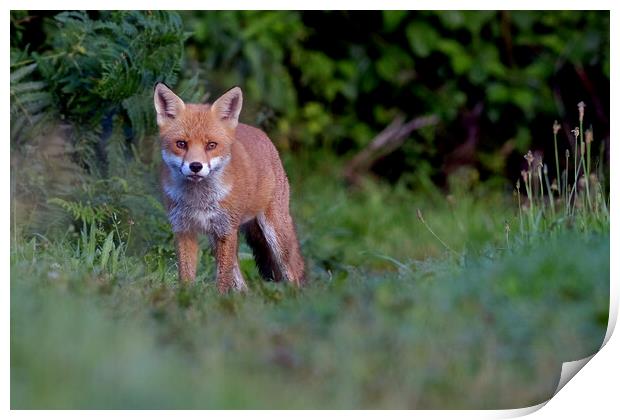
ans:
x=390 y=319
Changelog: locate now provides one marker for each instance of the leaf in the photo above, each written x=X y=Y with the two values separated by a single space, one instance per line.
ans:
x=459 y=57
x=90 y=247
x=22 y=72
x=422 y=38
x=393 y=18
x=452 y=19
x=108 y=245
x=30 y=104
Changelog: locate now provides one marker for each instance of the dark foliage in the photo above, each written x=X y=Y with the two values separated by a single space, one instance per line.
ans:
x=333 y=80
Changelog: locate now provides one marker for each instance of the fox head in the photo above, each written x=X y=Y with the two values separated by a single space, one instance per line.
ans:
x=196 y=139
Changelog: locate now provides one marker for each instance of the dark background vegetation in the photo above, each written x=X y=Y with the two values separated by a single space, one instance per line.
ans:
x=332 y=80
x=475 y=303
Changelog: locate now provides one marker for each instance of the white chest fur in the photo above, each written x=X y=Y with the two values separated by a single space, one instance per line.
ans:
x=196 y=206
x=207 y=221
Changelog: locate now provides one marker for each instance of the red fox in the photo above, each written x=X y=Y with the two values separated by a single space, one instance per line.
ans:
x=220 y=177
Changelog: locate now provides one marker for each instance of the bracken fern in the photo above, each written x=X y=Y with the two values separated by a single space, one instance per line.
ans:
x=29 y=100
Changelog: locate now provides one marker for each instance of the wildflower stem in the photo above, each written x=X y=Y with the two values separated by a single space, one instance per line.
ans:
x=578 y=134
x=588 y=144
x=551 y=203
x=520 y=211
x=419 y=214
x=530 y=197
x=566 y=182
x=587 y=167
x=588 y=191
x=542 y=191
x=557 y=161
x=575 y=156
x=574 y=190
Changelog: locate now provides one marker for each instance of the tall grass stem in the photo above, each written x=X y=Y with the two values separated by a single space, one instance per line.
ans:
x=550 y=193
x=542 y=190
x=419 y=214
x=556 y=127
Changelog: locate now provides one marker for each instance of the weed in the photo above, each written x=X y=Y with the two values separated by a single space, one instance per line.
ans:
x=580 y=202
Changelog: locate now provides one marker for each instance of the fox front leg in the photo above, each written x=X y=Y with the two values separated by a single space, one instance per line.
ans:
x=228 y=273
x=187 y=255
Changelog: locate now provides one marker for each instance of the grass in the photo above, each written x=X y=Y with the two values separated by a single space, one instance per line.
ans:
x=391 y=318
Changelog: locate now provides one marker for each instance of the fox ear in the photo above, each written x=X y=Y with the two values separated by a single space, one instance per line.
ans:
x=167 y=104
x=228 y=106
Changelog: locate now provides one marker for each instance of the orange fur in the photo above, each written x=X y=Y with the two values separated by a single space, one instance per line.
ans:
x=241 y=186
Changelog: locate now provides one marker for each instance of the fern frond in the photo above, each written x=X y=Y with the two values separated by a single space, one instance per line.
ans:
x=22 y=72
x=29 y=100
x=84 y=212
x=101 y=67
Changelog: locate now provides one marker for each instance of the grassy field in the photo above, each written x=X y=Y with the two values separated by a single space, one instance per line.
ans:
x=391 y=318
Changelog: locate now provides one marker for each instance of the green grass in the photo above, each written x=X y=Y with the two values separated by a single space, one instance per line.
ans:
x=391 y=319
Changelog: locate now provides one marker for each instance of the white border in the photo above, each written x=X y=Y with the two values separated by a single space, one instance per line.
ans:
x=592 y=393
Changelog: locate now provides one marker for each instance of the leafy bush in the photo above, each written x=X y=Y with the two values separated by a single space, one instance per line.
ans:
x=100 y=68
x=335 y=79
x=94 y=72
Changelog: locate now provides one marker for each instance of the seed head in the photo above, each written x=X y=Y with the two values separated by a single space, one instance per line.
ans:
x=556 y=127
x=545 y=169
x=529 y=157
x=419 y=214
x=506 y=226
x=583 y=148
x=518 y=184
x=582 y=110
x=589 y=136
x=567 y=154
x=554 y=185
x=524 y=176
x=576 y=132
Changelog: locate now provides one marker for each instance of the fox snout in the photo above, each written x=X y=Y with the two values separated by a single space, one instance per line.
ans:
x=195 y=167
x=197 y=170
x=194 y=170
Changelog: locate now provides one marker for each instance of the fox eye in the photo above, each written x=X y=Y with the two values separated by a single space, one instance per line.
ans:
x=211 y=145
x=182 y=144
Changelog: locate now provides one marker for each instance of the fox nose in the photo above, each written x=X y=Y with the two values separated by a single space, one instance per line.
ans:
x=195 y=166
